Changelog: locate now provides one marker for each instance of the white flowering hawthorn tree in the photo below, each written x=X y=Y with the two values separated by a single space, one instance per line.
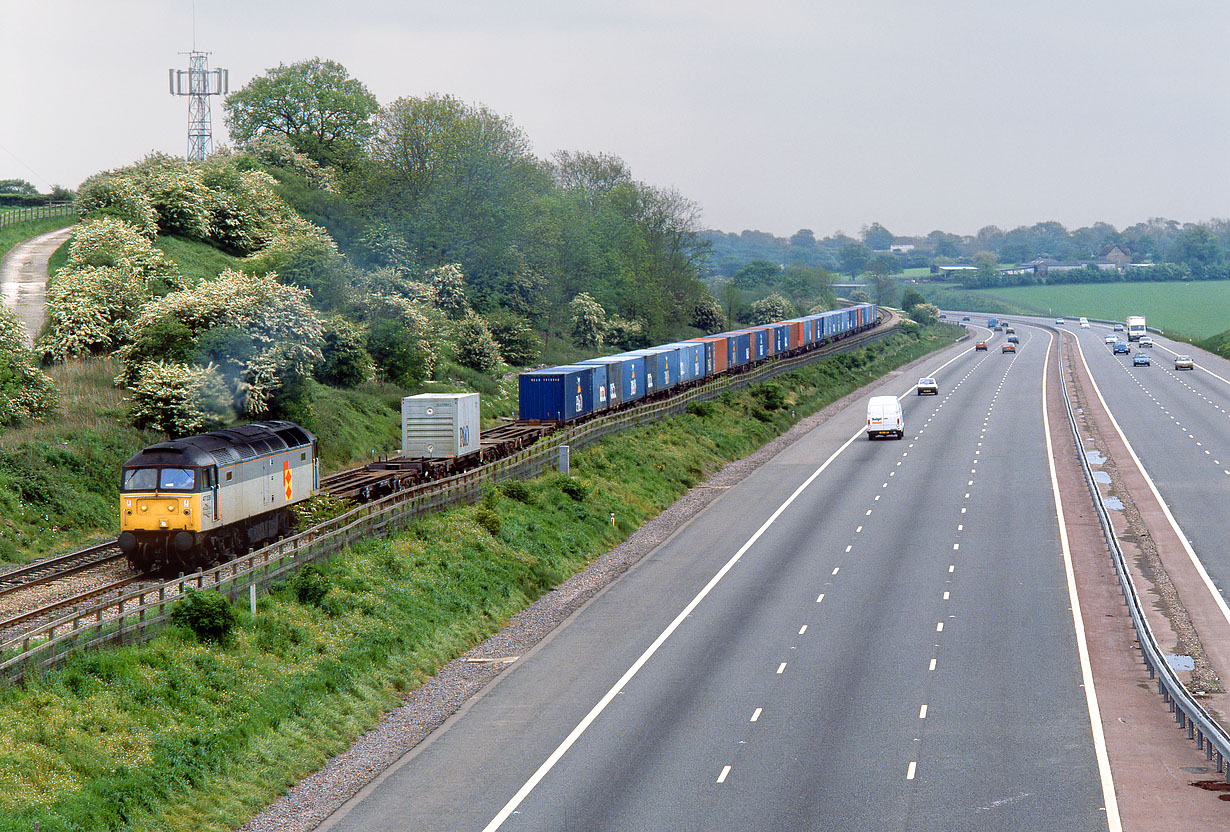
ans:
x=26 y=392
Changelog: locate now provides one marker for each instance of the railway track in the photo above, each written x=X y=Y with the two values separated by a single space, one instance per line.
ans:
x=58 y=567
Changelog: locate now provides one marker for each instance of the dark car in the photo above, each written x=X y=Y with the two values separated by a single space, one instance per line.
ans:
x=981 y=345
x=1121 y=347
x=966 y=318
x=1141 y=359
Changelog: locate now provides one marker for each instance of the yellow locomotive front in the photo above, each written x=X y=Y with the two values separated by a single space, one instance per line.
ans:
x=201 y=499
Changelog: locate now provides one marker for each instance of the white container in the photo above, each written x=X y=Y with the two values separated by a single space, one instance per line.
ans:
x=439 y=425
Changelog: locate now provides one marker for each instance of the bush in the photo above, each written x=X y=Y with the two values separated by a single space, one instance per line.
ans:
x=572 y=487
x=701 y=409
x=396 y=353
x=448 y=288
x=475 y=347
x=771 y=309
x=489 y=520
x=925 y=313
x=310 y=586
x=345 y=361
x=179 y=399
x=769 y=395
x=114 y=195
x=26 y=392
x=519 y=345
x=517 y=490
x=208 y=614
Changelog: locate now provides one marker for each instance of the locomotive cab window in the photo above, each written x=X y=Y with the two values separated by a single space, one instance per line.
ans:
x=140 y=479
x=177 y=479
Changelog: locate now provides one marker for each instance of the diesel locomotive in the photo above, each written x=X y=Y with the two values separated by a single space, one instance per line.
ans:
x=201 y=499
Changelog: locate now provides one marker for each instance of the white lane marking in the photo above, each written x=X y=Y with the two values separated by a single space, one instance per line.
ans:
x=939 y=628
x=932 y=666
x=836 y=569
x=781 y=668
x=530 y=784
x=756 y=714
x=922 y=712
x=951 y=567
x=945 y=595
x=868 y=514
x=819 y=597
x=1113 y=821
x=956 y=546
x=722 y=776
x=960 y=527
x=859 y=529
x=1174 y=524
x=803 y=629
x=963 y=510
x=877 y=497
x=909 y=772
x=851 y=546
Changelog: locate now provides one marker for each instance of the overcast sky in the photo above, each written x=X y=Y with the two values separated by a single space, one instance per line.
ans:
x=773 y=114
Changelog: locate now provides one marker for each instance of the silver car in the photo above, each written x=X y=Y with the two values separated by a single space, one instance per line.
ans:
x=1184 y=362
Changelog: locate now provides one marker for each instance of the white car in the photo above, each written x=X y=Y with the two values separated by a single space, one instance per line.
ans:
x=1110 y=339
x=1084 y=323
x=1059 y=321
x=1146 y=341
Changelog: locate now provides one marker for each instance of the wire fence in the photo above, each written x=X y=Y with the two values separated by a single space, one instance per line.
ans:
x=135 y=616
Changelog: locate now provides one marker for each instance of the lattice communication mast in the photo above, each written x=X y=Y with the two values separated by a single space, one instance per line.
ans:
x=199 y=82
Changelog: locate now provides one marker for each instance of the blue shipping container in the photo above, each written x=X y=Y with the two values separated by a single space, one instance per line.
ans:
x=738 y=348
x=556 y=394
x=661 y=368
x=758 y=343
x=691 y=359
x=781 y=338
x=625 y=377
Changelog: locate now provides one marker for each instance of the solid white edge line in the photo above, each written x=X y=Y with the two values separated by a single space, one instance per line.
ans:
x=1113 y=822
x=583 y=725
x=1174 y=524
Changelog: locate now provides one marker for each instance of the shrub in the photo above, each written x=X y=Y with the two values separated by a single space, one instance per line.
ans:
x=519 y=345
x=769 y=395
x=208 y=614
x=475 y=347
x=394 y=350
x=488 y=519
x=572 y=487
x=701 y=409
x=114 y=194
x=179 y=399
x=448 y=288
x=925 y=313
x=310 y=586
x=517 y=490
x=588 y=320
x=345 y=362
x=26 y=392
x=771 y=309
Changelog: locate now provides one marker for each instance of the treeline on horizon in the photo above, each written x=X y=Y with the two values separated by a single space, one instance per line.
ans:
x=1160 y=249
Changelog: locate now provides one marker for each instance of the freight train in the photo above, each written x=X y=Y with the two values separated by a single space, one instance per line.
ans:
x=201 y=499
x=575 y=391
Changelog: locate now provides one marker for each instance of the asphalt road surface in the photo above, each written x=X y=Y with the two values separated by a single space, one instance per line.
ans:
x=860 y=635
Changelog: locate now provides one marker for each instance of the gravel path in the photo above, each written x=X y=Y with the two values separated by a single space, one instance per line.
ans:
x=23 y=278
x=315 y=797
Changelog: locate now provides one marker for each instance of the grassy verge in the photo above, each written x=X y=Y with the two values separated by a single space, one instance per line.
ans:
x=180 y=735
x=946 y=297
x=197 y=260
x=20 y=232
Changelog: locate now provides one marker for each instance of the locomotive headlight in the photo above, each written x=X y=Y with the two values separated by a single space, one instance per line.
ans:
x=162 y=524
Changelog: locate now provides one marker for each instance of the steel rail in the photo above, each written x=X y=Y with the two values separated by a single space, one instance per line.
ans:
x=1208 y=735
x=19 y=577
x=79 y=598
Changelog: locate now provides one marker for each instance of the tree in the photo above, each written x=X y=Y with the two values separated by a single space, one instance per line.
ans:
x=475 y=347
x=925 y=313
x=588 y=320
x=771 y=309
x=17 y=186
x=732 y=299
x=885 y=289
x=986 y=263
x=853 y=257
x=883 y=264
x=707 y=316
x=518 y=343
x=1197 y=248
x=860 y=296
x=911 y=298
x=315 y=103
x=756 y=273
x=877 y=237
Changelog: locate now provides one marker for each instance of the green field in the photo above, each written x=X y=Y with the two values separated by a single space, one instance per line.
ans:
x=1198 y=309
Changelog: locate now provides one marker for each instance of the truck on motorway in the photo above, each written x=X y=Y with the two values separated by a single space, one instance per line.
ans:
x=1135 y=327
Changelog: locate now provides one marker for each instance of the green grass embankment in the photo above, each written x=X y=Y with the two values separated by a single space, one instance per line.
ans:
x=178 y=735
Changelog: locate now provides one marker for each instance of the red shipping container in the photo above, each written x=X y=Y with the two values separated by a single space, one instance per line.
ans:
x=720 y=350
x=795 y=329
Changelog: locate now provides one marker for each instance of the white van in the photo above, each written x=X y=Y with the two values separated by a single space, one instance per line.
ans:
x=884 y=417
x=1084 y=323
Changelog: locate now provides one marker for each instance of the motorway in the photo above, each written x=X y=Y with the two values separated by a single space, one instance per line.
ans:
x=859 y=635
x=1178 y=423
